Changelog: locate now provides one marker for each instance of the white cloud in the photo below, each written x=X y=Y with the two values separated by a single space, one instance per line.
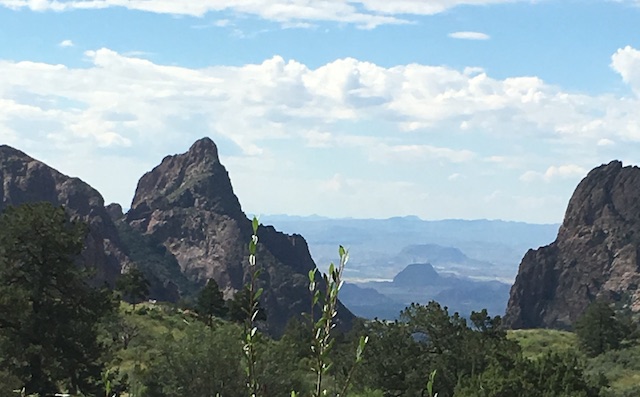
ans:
x=337 y=184
x=564 y=171
x=66 y=43
x=363 y=13
x=469 y=35
x=406 y=116
x=626 y=61
x=555 y=172
x=417 y=153
x=279 y=98
x=605 y=142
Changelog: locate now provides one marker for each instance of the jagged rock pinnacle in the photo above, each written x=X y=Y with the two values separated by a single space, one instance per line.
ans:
x=205 y=149
x=596 y=254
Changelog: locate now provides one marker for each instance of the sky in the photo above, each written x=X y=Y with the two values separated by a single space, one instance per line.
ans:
x=442 y=109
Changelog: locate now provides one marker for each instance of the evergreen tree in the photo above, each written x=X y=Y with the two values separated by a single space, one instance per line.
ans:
x=210 y=302
x=598 y=329
x=48 y=326
x=134 y=286
x=238 y=307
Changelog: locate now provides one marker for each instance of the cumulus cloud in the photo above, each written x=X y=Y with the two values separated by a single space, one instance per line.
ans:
x=363 y=13
x=554 y=172
x=279 y=98
x=276 y=93
x=469 y=35
x=605 y=142
x=626 y=61
x=384 y=115
x=66 y=43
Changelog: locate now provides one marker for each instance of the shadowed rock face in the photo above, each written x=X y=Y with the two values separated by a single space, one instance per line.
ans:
x=25 y=180
x=594 y=255
x=187 y=204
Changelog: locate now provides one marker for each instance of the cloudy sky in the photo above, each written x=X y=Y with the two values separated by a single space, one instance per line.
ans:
x=362 y=108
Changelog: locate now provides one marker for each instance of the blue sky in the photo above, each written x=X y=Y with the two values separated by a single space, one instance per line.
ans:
x=369 y=108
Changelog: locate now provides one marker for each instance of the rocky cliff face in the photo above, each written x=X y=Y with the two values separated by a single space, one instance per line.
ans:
x=188 y=205
x=27 y=180
x=594 y=255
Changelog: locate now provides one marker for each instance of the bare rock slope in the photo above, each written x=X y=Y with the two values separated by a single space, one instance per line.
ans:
x=26 y=180
x=595 y=254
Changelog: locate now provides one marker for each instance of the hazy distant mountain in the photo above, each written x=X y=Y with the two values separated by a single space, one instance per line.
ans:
x=375 y=243
x=417 y=275
x=447 y=260
x=421 y=283
x=368 y=303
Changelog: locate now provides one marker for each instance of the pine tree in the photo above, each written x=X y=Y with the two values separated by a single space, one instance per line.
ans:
x=49 y=311
x=598 y=329
x=210 y=302
x=134 y=286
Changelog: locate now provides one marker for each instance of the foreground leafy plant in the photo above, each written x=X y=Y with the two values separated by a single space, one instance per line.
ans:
x=250 y=330
x=322 y=341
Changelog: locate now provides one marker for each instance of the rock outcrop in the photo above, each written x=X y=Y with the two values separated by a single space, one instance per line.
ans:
x=596 y=254
x=26 y=180
x=188 y=205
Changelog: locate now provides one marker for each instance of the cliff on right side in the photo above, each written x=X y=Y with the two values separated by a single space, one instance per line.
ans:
x=596 y=254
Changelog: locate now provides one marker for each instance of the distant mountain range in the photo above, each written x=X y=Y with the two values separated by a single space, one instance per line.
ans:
x=380 y=248
x=464 y=264
x=421 y=283
x=186 y=225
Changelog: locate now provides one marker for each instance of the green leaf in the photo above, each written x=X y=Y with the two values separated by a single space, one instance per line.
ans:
x=312 y=275
x=432 y=378
x=255 y=223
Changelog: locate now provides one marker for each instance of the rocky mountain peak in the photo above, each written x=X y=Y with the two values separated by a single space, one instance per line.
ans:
x=192 y=179
x=184 y=227
x=187 y=205
x=6 y=151
x=203 y=149
x=607 y=195
x=594 y=255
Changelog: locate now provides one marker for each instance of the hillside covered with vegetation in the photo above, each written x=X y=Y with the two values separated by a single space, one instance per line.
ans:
x=60 y=333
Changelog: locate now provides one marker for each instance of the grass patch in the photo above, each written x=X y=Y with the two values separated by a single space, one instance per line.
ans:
x=537 y=342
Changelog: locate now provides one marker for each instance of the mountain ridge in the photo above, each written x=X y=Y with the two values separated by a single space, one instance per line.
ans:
x=184 y=217
x=27 y=180
x=595 y=254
